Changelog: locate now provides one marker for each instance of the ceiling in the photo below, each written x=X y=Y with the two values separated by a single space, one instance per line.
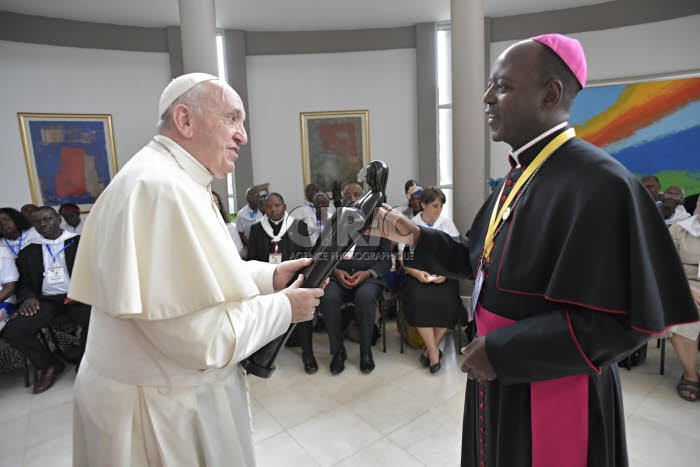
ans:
x=278 y=15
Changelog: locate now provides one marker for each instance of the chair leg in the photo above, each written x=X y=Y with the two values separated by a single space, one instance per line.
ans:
x=25 y=364
x=663 y=356
x=382 y=313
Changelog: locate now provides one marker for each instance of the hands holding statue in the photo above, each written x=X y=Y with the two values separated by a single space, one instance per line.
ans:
x=303 y=301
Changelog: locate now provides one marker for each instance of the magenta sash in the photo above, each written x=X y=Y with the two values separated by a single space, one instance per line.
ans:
x=558 y=410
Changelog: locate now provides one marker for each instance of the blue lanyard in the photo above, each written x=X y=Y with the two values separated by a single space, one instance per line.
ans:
x=16 y=253
x=48 y=248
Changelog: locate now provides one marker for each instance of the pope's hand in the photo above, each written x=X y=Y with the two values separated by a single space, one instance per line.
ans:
x=285 y=271
x=303 y=301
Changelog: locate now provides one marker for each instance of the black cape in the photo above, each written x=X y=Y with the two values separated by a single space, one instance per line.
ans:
x=585 y=266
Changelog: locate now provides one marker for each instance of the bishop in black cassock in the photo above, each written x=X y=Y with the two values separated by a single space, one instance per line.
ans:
x=574 y=270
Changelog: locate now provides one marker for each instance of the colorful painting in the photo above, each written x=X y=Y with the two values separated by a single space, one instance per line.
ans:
x=70 y=158
x=334 y=147
x=651 y=127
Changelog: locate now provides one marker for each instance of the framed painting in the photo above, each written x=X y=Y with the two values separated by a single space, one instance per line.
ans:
x=70 y=157
x=651 y=126
x=334 y=147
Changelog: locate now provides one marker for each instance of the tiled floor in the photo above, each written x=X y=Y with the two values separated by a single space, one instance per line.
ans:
x=399 y=415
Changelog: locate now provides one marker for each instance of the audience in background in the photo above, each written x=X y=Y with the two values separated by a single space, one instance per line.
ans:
x=16 y=230
x=358 y=278
x=15 y=233
x=45 y=268
x=276 y=238
x=28 y=209
x=432 y=303
x=413 y=195
x=71 y=218
x=672 y=208
x=684 y=337
x=321 y=213
x=248 y=215
x=651 y=183
x=231 y=226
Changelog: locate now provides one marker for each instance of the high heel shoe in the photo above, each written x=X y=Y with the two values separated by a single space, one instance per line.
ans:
x=425 y=360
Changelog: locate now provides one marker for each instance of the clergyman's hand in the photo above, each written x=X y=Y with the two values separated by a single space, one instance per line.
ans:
x=29 y=307
x=395 y=226
x=284 y=272
x=476 y=362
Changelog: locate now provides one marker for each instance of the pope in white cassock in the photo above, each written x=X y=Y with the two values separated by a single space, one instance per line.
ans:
x=175 y=309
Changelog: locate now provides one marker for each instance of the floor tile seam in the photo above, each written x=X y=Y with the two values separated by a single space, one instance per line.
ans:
x=671 y=428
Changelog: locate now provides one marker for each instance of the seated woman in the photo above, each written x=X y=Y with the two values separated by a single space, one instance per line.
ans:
x=15 y=233
x=684 y=338
x=432 y=303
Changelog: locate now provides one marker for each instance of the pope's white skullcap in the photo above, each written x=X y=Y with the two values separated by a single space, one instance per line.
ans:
x=179 y=86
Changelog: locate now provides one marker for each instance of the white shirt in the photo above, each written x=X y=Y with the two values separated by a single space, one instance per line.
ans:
x=678 y=215
x=9 y=250
x=54 y=256
x=233 y=231
x=245 y=219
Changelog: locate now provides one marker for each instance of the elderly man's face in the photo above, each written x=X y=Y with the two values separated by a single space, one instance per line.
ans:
x=218 y=133
x=673 y=196
x=514 y=94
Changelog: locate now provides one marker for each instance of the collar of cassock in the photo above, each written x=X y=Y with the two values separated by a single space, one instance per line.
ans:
x=524 y=155
x=184 y=159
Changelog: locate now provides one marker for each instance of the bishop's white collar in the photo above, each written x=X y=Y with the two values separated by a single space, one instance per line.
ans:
x=516 y=154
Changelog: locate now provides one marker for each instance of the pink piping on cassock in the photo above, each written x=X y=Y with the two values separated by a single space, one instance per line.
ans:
x=558 y=410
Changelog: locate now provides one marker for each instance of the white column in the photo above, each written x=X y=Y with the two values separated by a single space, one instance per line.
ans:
x=198 y=35
x=468 y=118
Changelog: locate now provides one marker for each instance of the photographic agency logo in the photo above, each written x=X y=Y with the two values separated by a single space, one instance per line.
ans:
x=344 y=228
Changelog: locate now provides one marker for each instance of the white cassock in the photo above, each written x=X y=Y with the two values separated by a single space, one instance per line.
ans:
x=175 y=310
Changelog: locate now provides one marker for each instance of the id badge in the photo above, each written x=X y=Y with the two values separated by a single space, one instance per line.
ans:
x=478 y=282
x=55 y=275
x=275 y=258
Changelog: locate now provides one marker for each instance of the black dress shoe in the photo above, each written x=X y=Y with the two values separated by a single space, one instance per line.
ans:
x=435 y=368
x=310 y=365
x=366 y=363
x=338 y=362
x=48 y=377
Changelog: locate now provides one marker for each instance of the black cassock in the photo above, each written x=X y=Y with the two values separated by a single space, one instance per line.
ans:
x=585 y=270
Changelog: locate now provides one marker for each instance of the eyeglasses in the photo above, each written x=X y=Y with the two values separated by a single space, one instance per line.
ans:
x=673 y=195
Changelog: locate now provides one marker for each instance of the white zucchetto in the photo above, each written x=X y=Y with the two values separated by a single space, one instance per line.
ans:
x=179 y=86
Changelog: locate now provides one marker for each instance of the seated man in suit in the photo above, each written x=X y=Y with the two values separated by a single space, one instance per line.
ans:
x=45 y=268
x=279 y=237
x=358 y=278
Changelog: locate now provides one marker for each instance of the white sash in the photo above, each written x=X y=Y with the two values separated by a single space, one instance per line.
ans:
x=286 y=222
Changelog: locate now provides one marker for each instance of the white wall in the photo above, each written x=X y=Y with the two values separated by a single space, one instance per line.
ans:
x=49 y=79
x=280 y=87
x=665 y=47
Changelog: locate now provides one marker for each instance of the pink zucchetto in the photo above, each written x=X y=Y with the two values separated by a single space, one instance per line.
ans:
x=570 y=51
x=179 y=86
